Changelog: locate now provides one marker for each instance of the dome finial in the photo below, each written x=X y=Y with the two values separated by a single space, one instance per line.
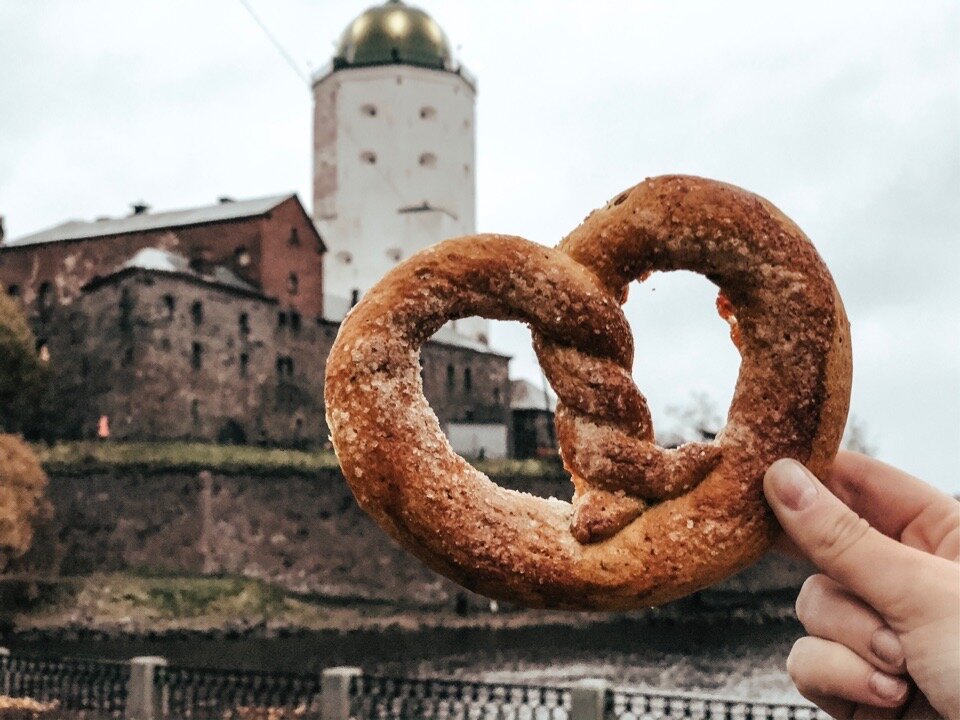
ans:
x=394 y=33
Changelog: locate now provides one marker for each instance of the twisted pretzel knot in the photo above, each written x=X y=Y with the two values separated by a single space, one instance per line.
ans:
x=647 y=524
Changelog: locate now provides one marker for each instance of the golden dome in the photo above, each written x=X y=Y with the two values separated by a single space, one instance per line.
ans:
x=393 y=33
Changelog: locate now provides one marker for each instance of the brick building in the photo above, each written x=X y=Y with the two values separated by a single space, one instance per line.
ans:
x=269 y=242
x=208 y=324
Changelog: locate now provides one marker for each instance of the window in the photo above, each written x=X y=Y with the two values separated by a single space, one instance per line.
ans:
x=451 y=376
x=496 y=395
x=168 y=306
x=196 y=356
x=428 y=113
x=369 y=157
x=243 y=321
x=284 y=366
x=281 y=319
x=164 y=343
x=428 y=160
x=127 y=360
x=195 y=412
x=295 y=321
x=43 y=351
x=294 y=237
x=293 y=283
x=196 y=312
x=13 y=291
x=467 y=379
x=125 y=307
x=244 y=364
x=354 y=296
x=241 y=256
x=44 y=296
x=394 y=254
x=369 y=110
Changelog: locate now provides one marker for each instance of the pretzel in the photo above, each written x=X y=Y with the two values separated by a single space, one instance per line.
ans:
x=647 y=524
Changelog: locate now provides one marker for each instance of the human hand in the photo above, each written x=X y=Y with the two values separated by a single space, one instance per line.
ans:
x=886 y=610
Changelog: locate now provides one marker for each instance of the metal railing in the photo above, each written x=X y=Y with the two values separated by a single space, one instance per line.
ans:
x=147 y=688
x=98 y=686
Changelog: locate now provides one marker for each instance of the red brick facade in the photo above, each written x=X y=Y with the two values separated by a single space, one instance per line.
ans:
x=284 y=251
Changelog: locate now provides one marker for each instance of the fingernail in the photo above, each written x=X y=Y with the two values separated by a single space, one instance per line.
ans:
x=792 y=484
x=887 y=686
x=887 y=646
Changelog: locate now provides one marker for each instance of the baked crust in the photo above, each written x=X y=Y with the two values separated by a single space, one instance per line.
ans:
x=647 y=525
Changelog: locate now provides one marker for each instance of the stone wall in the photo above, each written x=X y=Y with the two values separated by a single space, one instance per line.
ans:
x=304 y=533
x=167 y=357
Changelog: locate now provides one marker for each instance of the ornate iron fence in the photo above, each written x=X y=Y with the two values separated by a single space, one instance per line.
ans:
x=97 y=686
x=108 y=689
x=217 y=694
x=384 y=698
x=641 y=705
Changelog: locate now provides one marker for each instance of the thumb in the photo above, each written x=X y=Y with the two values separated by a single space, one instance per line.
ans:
x=880 y=570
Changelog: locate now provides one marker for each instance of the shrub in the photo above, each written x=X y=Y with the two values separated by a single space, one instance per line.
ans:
x=25 y=381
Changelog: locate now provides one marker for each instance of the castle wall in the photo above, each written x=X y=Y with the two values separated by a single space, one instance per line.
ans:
x=167 y=357
x=306 y=534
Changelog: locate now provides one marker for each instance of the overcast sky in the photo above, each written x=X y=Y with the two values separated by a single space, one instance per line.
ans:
x=844 y=114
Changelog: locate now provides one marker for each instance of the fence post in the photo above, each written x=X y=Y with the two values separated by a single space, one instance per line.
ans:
x=5 y=662
x=143 y=700
x=335 y=692
x=588 y=699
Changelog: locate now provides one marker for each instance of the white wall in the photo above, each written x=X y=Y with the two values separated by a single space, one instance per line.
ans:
x=469 y=439
x=376 y=112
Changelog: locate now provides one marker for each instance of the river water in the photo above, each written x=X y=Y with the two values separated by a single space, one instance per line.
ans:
x=730 y=659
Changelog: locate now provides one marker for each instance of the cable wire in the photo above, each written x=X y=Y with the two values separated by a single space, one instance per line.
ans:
x=276 y=43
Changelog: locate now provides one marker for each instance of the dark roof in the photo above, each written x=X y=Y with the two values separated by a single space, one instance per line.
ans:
x=82 y=229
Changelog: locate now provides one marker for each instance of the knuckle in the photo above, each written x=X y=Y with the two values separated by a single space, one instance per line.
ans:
x=798 y=665
x=842 y=536
x=810 y=600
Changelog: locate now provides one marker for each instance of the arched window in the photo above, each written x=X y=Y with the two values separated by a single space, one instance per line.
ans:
x=467 y=379
x=168 y=305
x=196 y=312
x=451 y=376
x=244 y=323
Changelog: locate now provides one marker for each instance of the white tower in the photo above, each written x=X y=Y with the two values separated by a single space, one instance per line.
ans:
x=394 y=150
